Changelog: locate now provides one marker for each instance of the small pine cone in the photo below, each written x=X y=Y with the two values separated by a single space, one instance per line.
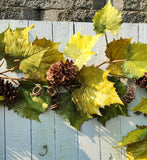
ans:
x=61 y=74
x=1 y=86
x=10 y=93
x=130 y=95
x=142 y=82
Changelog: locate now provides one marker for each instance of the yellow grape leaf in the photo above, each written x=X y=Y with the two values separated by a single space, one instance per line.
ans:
x=135 y=64
x=96 y=91
x=107 y=20
x=116 y=51
x=137 y=151
x=44 y=43
x=79 y=48
x=2 y=46
x=36 y=66
x=17 y=42
x=18 y=46
x=142 y=106
x=2 y=98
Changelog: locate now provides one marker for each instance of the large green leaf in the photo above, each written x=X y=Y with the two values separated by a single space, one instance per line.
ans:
x=107 y=20
x=69 y=111
x=142 y=106
x=114 y=109
x=140 y=134
x=136 y=142
x=29 y=106
x=79 y=48
x=96 y=91
x=137 y=151
x=116 y=51
x=36 y=66
x=135 y=64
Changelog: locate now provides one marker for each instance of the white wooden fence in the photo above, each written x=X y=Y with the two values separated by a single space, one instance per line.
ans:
x=23 y=139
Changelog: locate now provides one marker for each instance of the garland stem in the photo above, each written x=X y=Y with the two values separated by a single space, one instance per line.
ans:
x=18 y=79
x=109 y=61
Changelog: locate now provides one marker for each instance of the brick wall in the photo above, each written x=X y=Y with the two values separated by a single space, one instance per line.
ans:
x=69 y=10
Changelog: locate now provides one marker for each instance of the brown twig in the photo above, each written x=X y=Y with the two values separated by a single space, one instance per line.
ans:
x=11 y=69
x=10 y=79
x=18 y=79
x=2 y=62
x=109 y=61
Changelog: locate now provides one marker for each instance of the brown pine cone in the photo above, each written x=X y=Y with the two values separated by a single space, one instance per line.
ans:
x=61 y=74
x=1 y=86
x=142 y=82
x=7 y=90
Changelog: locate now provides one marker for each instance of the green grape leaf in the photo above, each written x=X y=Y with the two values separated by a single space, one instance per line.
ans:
x=135 y=64
x=137 y=151
x=29 y=106
x=116 y=51
x=142 y=106
x=36 y=66
x=69 y=111
x=140 y=134
x=114 y=109
x=107 y=20
x=96 y=91
x=79 y=48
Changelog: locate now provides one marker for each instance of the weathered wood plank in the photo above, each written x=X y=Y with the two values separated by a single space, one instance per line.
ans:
x=89 y=136
x=143 y=32
x=110 y=134
x=43 y=133
x=17 y=129
x=65 y=135
x=2 y=111
x=2 y=133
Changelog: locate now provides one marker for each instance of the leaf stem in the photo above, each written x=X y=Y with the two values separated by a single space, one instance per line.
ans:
x=106 y=39
x=109 y=61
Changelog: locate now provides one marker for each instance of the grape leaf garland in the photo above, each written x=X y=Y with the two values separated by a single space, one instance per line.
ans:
x=88 y=90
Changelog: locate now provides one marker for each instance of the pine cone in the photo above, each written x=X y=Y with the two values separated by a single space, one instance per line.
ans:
x=130 y=95
x=61 y=74
x=7 y=90
x=142 y=82
x=1 y=86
